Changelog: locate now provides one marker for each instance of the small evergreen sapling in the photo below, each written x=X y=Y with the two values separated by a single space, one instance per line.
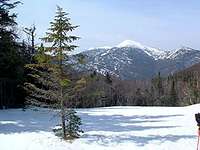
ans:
x=73 y=124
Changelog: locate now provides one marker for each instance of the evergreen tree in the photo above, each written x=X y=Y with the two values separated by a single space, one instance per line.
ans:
x=139 y=99
x=111 y=90
x=108 y=78
x=12 y=56
x=160 y=85
x=73 y=124
x=41 y=84
x=61 y=41
x=11 y=63
x=40 y=56
x=173 y=101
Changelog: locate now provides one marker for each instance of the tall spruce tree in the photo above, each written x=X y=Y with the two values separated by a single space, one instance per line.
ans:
x=61 y=41
x=10 y=61
x=41 y=84
x=12 y=57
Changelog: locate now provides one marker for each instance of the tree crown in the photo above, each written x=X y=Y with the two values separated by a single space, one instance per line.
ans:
x=58 y=33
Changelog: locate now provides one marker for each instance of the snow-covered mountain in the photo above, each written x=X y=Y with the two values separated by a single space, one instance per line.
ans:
x=133 y=60
x=153 y=52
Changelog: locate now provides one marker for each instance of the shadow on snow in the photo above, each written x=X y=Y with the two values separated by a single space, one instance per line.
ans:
x=33 y=121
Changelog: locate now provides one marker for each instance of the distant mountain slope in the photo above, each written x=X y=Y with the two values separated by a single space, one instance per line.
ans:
x=190 y=70
x=132 y=60
x=124 y=62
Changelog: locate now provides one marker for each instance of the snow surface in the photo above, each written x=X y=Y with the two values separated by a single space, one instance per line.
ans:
x=130 y=43
x=154 y=52
x=180 y=52
x=103 y=47
x=113 y=128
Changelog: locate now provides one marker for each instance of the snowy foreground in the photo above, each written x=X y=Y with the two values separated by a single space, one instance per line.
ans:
x=113 y=128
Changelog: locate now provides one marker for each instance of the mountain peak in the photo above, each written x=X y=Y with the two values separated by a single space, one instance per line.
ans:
x=154 y=52
x=130 y=43
x=186 y=48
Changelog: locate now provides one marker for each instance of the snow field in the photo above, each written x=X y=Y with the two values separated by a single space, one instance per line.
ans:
x=112 y=128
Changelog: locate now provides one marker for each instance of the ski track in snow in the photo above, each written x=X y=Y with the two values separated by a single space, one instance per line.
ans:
x=112 y=128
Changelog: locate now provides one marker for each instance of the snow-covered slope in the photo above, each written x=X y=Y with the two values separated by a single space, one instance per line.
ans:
x=133 y=60
x=183 y=58
x=181 y=52
x=125 y=62
x=153 y=52
x=113 y=128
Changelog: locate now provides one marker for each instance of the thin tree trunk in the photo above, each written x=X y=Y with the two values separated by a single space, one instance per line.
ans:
x=62 y=113
x=61 y=96
x=33 y=42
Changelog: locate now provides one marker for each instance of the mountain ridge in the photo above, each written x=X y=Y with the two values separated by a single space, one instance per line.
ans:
x=151 y=51
x=132 y=60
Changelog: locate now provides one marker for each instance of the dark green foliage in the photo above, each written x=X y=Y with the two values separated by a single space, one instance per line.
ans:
x=91 y=90
x=73 y=123
x=11 y=62
x=58 y=34
x=40 y=57
x=41 y=85
x=173 y=95
x=108 y=78
x=8 y=93
x=159 y=85
x=12 y=54
x=61 y=40
x=7 y=19
x=139 y=99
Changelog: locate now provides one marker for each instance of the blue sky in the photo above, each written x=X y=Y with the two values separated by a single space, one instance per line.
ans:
x=165 y=24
